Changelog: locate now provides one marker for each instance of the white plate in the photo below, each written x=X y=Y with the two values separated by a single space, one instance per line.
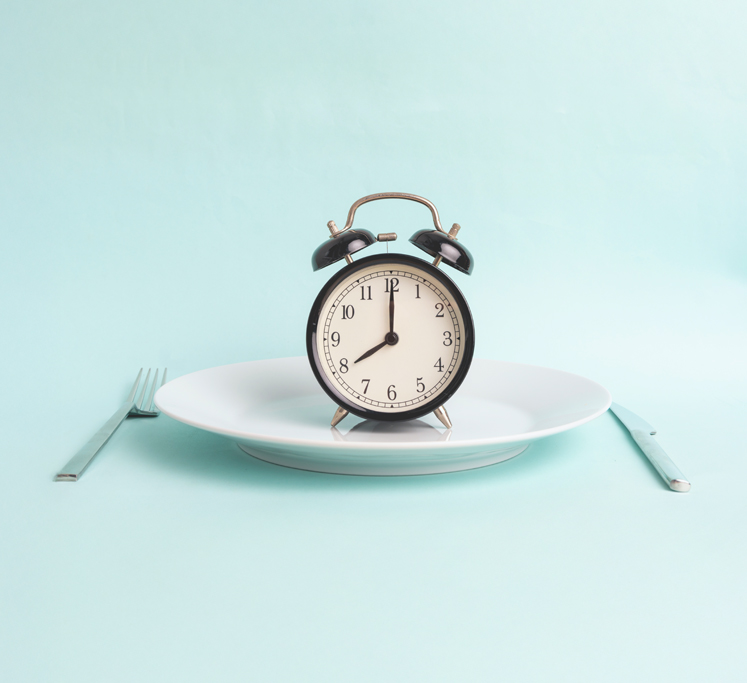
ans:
x=277 y=412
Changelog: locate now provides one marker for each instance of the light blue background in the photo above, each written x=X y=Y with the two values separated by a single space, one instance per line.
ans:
x=166 y=170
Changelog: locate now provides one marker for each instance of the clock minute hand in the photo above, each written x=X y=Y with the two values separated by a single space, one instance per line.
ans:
x=372 y=351
x=391 y=310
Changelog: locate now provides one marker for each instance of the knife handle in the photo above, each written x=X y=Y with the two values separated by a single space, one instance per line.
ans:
x=668 y=471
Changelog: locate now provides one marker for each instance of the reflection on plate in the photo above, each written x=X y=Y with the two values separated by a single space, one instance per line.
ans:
x=371 y=431
x=277 y=412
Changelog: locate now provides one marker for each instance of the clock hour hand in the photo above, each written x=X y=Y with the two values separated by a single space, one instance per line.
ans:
x=372 y=351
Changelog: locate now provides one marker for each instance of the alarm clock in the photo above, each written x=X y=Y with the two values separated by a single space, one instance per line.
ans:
x=390 y=336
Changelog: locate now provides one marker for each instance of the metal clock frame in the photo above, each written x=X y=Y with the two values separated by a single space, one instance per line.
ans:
x=468 y=335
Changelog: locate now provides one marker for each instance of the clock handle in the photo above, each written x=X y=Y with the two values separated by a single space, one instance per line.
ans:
x=394 y=195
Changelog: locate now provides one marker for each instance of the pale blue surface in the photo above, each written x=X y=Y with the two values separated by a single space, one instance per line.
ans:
x=596 y=157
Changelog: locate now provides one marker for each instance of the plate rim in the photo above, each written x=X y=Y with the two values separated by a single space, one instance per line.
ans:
x=526 y=437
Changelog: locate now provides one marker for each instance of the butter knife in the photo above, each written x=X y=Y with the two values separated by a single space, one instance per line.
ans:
x=642 y=433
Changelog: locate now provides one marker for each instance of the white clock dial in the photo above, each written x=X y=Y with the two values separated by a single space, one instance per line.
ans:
x=383 y=369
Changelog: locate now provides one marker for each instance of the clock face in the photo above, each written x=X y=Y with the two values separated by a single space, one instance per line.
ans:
x=390 y=337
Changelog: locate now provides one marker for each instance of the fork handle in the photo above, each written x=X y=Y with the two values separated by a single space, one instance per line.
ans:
x=78 y=463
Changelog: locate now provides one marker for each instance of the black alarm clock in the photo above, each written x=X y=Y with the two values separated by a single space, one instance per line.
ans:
x=390 y=336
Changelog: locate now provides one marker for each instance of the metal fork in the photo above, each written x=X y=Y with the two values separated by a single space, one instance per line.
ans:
x=130 y=408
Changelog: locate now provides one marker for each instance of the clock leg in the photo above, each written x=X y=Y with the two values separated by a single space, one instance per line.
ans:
x=442 y=415
x=340 y=415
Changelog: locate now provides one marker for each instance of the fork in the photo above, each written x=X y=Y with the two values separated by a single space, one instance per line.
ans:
x=130 y=408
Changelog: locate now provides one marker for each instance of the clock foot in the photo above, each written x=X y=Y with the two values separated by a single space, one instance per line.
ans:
x=340 y=415
x=442 y=415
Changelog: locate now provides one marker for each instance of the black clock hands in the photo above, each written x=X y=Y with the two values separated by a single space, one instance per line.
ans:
x=391 y=338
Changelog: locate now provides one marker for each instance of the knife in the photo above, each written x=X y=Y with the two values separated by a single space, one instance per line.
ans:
x=642 y=433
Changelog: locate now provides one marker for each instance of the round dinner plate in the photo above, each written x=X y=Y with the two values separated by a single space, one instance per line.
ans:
x=276 y=411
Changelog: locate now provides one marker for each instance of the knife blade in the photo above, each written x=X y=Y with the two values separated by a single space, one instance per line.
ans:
x=642 y=433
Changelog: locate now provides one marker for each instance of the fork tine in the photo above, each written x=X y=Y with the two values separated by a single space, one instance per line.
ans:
x=145 y=386
x=131 y=397
x=149 y=402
